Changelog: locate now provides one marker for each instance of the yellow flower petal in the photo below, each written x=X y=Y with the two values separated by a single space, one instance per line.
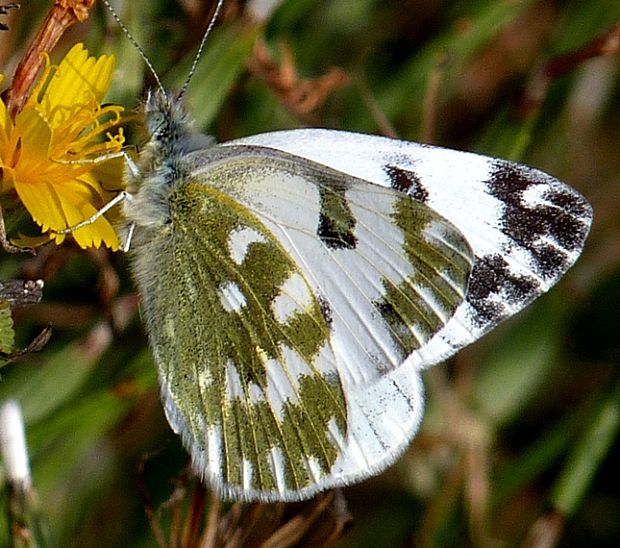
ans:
x=6 y=129
x=79 y=80
x=57 y=207
x=42 y=203
x=36 y=137
x=49 y=153
x=77 y=204
x=5 y=120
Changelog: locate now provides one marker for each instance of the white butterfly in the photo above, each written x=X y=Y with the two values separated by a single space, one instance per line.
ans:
x=295 y=284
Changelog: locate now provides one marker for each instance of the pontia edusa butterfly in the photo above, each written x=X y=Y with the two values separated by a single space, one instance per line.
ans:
x=295 y=284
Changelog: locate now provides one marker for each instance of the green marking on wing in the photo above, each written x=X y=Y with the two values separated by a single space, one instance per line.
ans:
x=301 y=437
x=200 y=344
x=441 y=260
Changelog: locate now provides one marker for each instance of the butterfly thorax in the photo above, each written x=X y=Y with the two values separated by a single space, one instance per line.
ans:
x=171 y=136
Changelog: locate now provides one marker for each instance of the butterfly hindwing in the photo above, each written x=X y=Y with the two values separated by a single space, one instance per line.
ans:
x=525 y=227
x=282 y=343
x=238 y=381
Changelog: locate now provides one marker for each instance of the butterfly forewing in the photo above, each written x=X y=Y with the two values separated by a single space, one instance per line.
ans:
x=525 y=228
x=280 y=343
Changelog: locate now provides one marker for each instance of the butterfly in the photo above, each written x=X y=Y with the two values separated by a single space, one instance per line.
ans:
x=295 y=285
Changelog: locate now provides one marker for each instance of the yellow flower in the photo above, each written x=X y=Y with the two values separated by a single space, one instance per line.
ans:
x=52 y=154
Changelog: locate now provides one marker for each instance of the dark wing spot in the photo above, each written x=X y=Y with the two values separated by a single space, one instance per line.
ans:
x=406 y=181
x=491 y=276
x=326 y=311
x=572 y=204
x=336 y=222
x=563 y=219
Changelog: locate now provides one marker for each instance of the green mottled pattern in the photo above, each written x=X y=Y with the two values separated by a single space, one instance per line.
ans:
x=442 y=261
x=199 y=344
x=7 y=334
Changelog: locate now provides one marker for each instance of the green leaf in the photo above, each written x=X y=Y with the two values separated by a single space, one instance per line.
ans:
x=587 y=455
x=221 y=66
x=7 y=334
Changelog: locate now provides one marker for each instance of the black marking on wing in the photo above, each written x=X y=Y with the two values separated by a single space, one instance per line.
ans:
x=336 y=222
x=407 y=181
x=535 y=227
x=326 y=311
x=490 y=276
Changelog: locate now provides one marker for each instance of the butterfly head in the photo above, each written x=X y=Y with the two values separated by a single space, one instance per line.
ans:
x=165 y=118
x=169 y=127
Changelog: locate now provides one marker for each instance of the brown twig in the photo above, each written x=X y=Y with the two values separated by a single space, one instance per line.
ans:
x=62 y=15
x=300 y=96
x=604 y=44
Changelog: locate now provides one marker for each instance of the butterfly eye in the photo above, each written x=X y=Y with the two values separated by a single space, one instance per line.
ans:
x=155 y=122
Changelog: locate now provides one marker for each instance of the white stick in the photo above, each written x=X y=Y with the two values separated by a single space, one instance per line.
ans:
x=13 y=445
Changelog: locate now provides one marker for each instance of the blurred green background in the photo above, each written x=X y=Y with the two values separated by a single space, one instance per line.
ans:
x=520 y=438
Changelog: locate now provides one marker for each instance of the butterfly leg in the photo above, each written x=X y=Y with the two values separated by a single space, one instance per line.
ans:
x=120 y=197
x=127 y=242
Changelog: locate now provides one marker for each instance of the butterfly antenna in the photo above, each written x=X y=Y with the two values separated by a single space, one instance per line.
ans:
x=135 y=44
x=192 y=70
